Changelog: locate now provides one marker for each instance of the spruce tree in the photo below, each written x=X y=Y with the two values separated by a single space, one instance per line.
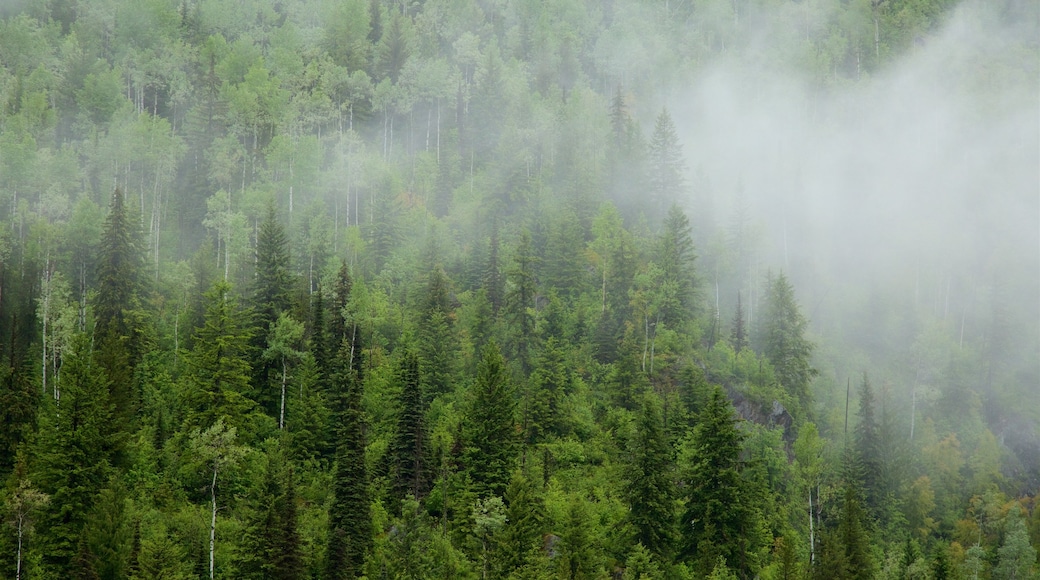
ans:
x=409 y=449
x=519 y=303
x=73 y=455
x=272 y=295
x=218 y=376
x=271 y=547
x=667 y=168
x=868 y=450
x=545 y=394
x=720 y=518
x=119 y=338
x=438 y=344
x=489 y=428
x=739 y=335
x=783 y=342
x=676 y=257
x=520 y=539
x=649 y=488
x=350 y=526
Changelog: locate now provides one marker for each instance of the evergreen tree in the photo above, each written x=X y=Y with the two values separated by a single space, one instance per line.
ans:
x=107 y=533
x=676 y=256
x=491 y=280
x=272 y=548
x=409 y=451
x=73 y=451
x=350 y=533
x=868 y=450
x=118 y=332
x=438 y=345
x=739 y=337
x=520 y=539
x=784 y=343
x=720 y=518
x=320 y=348
x=489 y=428
x=667 y=168
x=649 y=486
x=543 y=398
x=845 y=548
x=272 y=295
x=519 y=303
x=218 y=376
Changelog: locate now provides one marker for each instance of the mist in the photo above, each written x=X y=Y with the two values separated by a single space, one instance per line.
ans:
x=917 y=187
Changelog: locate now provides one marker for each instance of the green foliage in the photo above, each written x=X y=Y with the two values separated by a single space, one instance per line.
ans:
x=721 y=517
x=650 y=489
x=349 y=536
x=73 y=455
x=783 y=341
x=489 y=431
x=409 y=452
x=218 y=376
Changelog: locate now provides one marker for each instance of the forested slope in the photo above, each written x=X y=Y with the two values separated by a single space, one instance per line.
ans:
x=451 y=289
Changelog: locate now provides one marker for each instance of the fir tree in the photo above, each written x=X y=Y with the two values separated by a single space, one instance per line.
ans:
x=720 y=518
x=784 y=343
x=272 y=294
x=73 y=451
x=272 y=542
x=219 y=368
x=519 y=302
x=739 y=335
x=350 y=534
x=489 y=429
x=649 y=486
x=676 y=256
x=868 y=449
x=491 y=280
x=436 y=336
x=667 y=167
x=543 y=398
x=409 y=448
x=119 y=337
x=522 y=534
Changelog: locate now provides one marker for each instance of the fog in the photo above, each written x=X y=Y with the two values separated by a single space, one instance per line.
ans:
x=917 y=188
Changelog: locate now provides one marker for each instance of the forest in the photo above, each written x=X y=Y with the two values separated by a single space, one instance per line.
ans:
x=519 y=289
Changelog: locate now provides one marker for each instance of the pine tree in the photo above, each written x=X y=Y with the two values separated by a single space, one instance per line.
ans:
x=108 y=534
x=73 y=451
x=409 y=449
x=519 y=303
x=543 y=398
x=491 y=280
x=784 y=343
x=350 y=526
x=676 y=256
x=739 y=337
x=119 y=335
x=720 y=518
x=649 y=487
x=272 y=295
x=272 y=548
x=319 y=339
x=667 y=168
x=868 y=449
x=438 y=344
x=489 y=428
x=218 y=376
x=522 y=534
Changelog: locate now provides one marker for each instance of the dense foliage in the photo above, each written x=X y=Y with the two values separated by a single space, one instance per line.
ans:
x=430 y=289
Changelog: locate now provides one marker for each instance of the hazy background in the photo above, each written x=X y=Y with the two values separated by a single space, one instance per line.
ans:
x=905 y=207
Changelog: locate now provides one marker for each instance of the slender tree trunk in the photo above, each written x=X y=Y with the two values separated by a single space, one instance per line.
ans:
x=213 y=522
x=18 y=566
x=812 y=532
x=281 y=416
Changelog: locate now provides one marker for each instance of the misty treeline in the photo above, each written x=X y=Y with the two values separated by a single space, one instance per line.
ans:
x=331 y=289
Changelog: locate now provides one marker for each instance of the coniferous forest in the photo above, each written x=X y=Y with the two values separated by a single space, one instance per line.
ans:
x=337 y=289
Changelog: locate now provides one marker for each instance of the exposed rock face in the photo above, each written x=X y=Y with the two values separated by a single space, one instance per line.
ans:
x=774 y=415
